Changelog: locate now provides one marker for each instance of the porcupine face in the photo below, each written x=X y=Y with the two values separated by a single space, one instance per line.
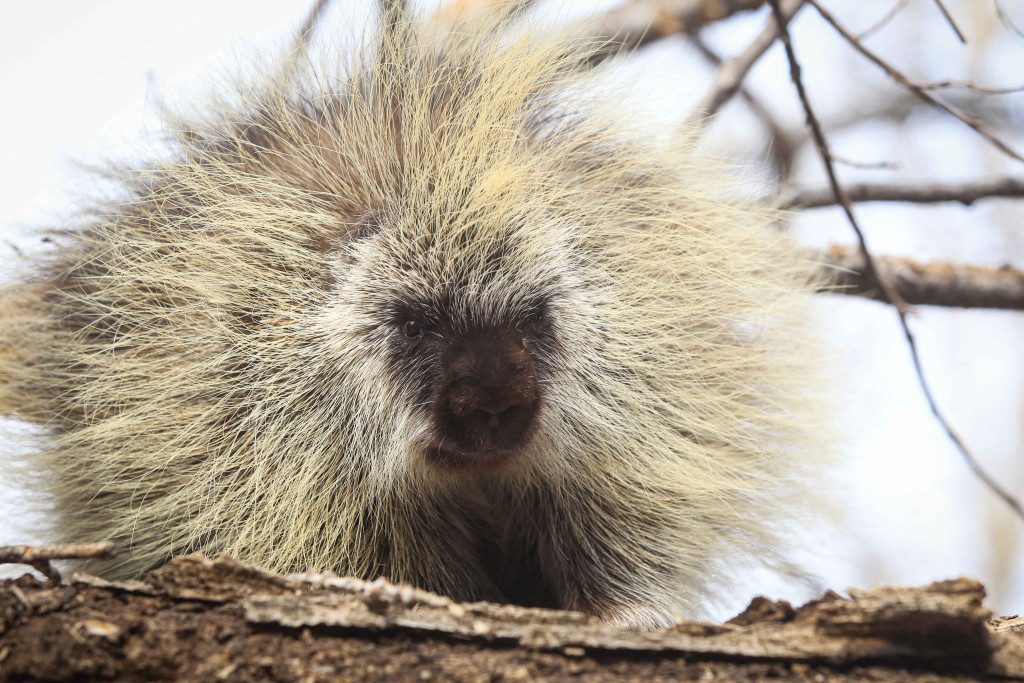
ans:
x=463 y=306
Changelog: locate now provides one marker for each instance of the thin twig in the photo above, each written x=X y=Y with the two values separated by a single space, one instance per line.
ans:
x=881 y=23
x=780 y=147
x=40 y=556
x=731 y=73
x=822 y=145
x=923 y=93
x=871 y=269
x=932 y=193
x=949 y=20
x=926 y=284
x=302 y=38
x=938 y=85
x=870 y=165
x=1006 y=21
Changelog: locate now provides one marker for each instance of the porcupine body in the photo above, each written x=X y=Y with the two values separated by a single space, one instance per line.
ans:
x=436 y=315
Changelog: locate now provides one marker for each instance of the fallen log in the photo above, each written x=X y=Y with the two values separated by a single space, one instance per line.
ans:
x=201 y=619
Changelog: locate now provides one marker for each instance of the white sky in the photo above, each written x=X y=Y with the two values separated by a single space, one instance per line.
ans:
x=81 y=81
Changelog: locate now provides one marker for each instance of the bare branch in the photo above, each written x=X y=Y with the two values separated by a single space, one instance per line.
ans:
x=881 y=23
x=301 y=41
x=305 y=32
x=1005 y=19
x=950 y=21
x=871 y=269
x=639 y=22
x=780 y=145
x=731 y=73
x=40 y=556
x=965 y=193
x=927 y=284
x=921 y=92
x=897 y=104
x=819 y=140
x=987 y=90
x=870 y=165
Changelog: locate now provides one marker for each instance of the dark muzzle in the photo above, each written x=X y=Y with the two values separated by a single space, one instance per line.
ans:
x=486 y=404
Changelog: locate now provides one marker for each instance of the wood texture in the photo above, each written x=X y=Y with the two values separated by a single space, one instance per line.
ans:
x=200 y=619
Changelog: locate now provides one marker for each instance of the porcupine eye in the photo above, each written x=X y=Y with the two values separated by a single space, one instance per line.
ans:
x=411 y=329
x=537 y=321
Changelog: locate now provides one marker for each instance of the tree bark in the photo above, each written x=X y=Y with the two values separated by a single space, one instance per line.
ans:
x=200 y=619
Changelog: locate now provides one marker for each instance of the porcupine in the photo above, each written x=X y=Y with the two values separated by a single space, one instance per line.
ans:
x=439 y=314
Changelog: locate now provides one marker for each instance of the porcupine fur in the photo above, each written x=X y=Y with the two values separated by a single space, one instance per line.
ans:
x=221 y=358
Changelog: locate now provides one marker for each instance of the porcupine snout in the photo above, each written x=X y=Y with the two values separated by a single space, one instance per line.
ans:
x=488 y=397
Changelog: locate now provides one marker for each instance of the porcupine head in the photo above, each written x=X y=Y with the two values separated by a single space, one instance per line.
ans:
x=437 y=312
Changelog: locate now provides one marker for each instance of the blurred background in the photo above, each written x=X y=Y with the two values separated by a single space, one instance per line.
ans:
x=82 y=81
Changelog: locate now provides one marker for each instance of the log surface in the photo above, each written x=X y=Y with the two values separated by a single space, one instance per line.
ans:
x=201 y=619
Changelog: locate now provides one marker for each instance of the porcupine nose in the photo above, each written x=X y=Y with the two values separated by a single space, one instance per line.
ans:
x=490 y=394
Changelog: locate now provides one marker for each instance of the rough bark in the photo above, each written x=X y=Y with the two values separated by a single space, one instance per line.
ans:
x=965 y=193
x=200 y=619
x=636 y=23
x=926 y=284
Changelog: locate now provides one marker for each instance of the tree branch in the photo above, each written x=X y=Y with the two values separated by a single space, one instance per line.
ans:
x=731 y=73
x=821 y=143
x=781 y=147
x=639 y=22
x=885 y=20
x=40 y=556
x=930 y=193
x=915 y=88
x=206 y=620
x=926 y=284
x=952 y=22
x=882 y=282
